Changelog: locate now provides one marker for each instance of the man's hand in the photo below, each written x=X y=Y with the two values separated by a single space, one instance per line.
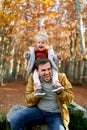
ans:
x=37 y=86
x=57 y=83
x=57 y=87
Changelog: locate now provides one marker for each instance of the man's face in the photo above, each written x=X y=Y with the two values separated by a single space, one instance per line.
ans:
x=45 y=71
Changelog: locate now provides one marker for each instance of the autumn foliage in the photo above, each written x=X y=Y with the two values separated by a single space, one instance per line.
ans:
x=21 y=20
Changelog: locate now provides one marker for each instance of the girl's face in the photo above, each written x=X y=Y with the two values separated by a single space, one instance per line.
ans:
x=41 y=44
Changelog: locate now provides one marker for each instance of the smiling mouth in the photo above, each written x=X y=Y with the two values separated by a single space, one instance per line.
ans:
x=41 y=48
x=47 y=77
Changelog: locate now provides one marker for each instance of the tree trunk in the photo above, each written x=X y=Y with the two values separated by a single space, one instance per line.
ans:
x=80 y=23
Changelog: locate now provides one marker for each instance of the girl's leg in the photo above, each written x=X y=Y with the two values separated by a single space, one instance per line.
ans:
x=56 y=85
x=26 y=117
x=38 y=92
x=55 y=76
x=36 y=78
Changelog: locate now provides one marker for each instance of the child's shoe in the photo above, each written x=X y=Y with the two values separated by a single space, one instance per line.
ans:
x=39 y=92
x=57 y=88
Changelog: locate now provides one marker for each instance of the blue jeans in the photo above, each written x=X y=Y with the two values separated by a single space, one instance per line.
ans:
x=34 y=116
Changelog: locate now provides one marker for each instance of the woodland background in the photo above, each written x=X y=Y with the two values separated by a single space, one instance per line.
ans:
x=65 y=22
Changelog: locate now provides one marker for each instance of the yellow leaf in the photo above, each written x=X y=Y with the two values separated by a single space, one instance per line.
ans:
x=7 y=1
x=47 y=2
x=19 y=1
x=52 y=14
x=1 y=13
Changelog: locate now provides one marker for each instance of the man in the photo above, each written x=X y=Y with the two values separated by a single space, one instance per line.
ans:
x=50 y=108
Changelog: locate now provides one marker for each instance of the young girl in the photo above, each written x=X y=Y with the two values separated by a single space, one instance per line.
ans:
x=41 y=51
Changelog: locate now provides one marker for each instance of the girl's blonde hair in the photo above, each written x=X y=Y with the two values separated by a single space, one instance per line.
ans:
x=43 y=36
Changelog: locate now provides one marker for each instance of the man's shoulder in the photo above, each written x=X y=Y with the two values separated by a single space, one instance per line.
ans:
x=61 y=75
x=30 y=77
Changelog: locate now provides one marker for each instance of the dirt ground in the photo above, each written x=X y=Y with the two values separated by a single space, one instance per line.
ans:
x=14 y=93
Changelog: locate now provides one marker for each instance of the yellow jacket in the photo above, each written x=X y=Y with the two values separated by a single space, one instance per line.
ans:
x=65 y=97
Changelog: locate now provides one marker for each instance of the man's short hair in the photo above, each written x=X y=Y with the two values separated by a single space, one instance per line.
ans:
x=41 y=60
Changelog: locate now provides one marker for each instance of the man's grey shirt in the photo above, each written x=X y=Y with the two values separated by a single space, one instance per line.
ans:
x=49 y=101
